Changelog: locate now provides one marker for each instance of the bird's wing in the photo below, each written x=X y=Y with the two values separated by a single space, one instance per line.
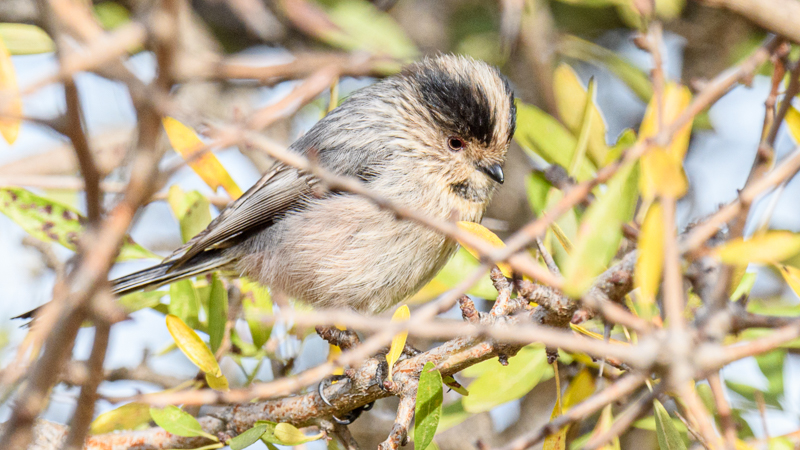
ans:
x=277 y=191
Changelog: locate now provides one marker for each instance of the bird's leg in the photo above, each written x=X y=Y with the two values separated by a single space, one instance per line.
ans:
x=344 y=339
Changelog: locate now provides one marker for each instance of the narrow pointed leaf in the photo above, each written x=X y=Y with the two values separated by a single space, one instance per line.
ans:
x=428 y=409
x=501 y=384
x=24 y=39
x=571 y=100
x=288 y=434
x=793 y=122
x=184 y=302
x=217 y=313
x=451 y=382
x=636 y=80
x=248 y=438
x=542 y=135
x=257 y=303
x=178 y=422
x=603 y=425
x=668 y=436
x=50 y=221
x=792 y=277
x=10 y=100
x=196 y=350
x=192 y=210
x=186 y=142
x=650 y=261
x=662 y=167
x=767 y=248
x=485 y=234
x=127 y=417
x=601 y=231
x=398 y=342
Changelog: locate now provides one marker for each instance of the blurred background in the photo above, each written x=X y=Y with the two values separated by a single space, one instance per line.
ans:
x=526 y=39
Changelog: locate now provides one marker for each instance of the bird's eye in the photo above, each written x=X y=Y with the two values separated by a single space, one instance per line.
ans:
x=456 y=143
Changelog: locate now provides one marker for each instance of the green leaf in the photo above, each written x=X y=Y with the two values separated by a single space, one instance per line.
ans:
x=668 y=436
x=178 y=422
x=540 y=134
x=49 y=221
x=24 y=39
x=600 y=231
x=248 y=438
x=184 y=302
x=451 y=382
x=139 y=300
x=625 y=141
x=577 y=114
x=428 y=409
x=288 y=434
x=191 y=209
x=636 y=79
x=771 y=365
x=217 y=313
x=537 y=187
x=745 y=286
x=362 y=26
x=505 y=383
x=127 y=417
x=257 y=303
x=111 y=15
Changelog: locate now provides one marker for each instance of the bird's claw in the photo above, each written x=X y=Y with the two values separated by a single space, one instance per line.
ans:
x=351 y=415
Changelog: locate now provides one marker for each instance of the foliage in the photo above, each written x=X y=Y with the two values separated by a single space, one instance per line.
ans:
x=628 y=203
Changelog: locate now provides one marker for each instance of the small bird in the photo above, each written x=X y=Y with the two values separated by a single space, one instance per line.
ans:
x=432 y=138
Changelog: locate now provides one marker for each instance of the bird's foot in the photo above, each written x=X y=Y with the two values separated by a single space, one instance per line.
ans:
x=351 y=415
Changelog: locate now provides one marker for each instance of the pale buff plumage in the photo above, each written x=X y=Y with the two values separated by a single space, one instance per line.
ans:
x=340 y=250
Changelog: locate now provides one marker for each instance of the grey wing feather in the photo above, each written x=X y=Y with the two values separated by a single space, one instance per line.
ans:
x=276 y=192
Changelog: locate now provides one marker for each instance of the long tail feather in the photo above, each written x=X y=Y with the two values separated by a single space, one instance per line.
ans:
x=159 y=275
x=162 y=274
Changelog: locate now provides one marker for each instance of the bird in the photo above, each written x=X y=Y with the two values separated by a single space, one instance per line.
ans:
x=432 y=138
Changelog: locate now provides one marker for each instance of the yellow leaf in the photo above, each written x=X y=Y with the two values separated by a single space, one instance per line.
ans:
x=647 y=275
x=333 y=352
x=484 y=233
x=662 y=168
x=580 y=388
x=126 y=417
x=793 y=121
x=594 y=335
x=186 y=142
x=792 y=277
x=603 y=425
x=768 y=248
x=288 y=434
x=197 y=351
x=398 y=342
x=570 y=101
x=217 y=382
x=558 y=232
x=10 y=101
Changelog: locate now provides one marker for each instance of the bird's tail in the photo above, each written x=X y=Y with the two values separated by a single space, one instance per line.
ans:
x=166 y=273
x=161 y=274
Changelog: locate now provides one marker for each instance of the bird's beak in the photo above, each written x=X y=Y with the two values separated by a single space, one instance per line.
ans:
x=495 y=172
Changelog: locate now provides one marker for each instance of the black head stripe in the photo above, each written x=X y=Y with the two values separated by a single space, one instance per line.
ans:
x=455 y=103
x=512 y=114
